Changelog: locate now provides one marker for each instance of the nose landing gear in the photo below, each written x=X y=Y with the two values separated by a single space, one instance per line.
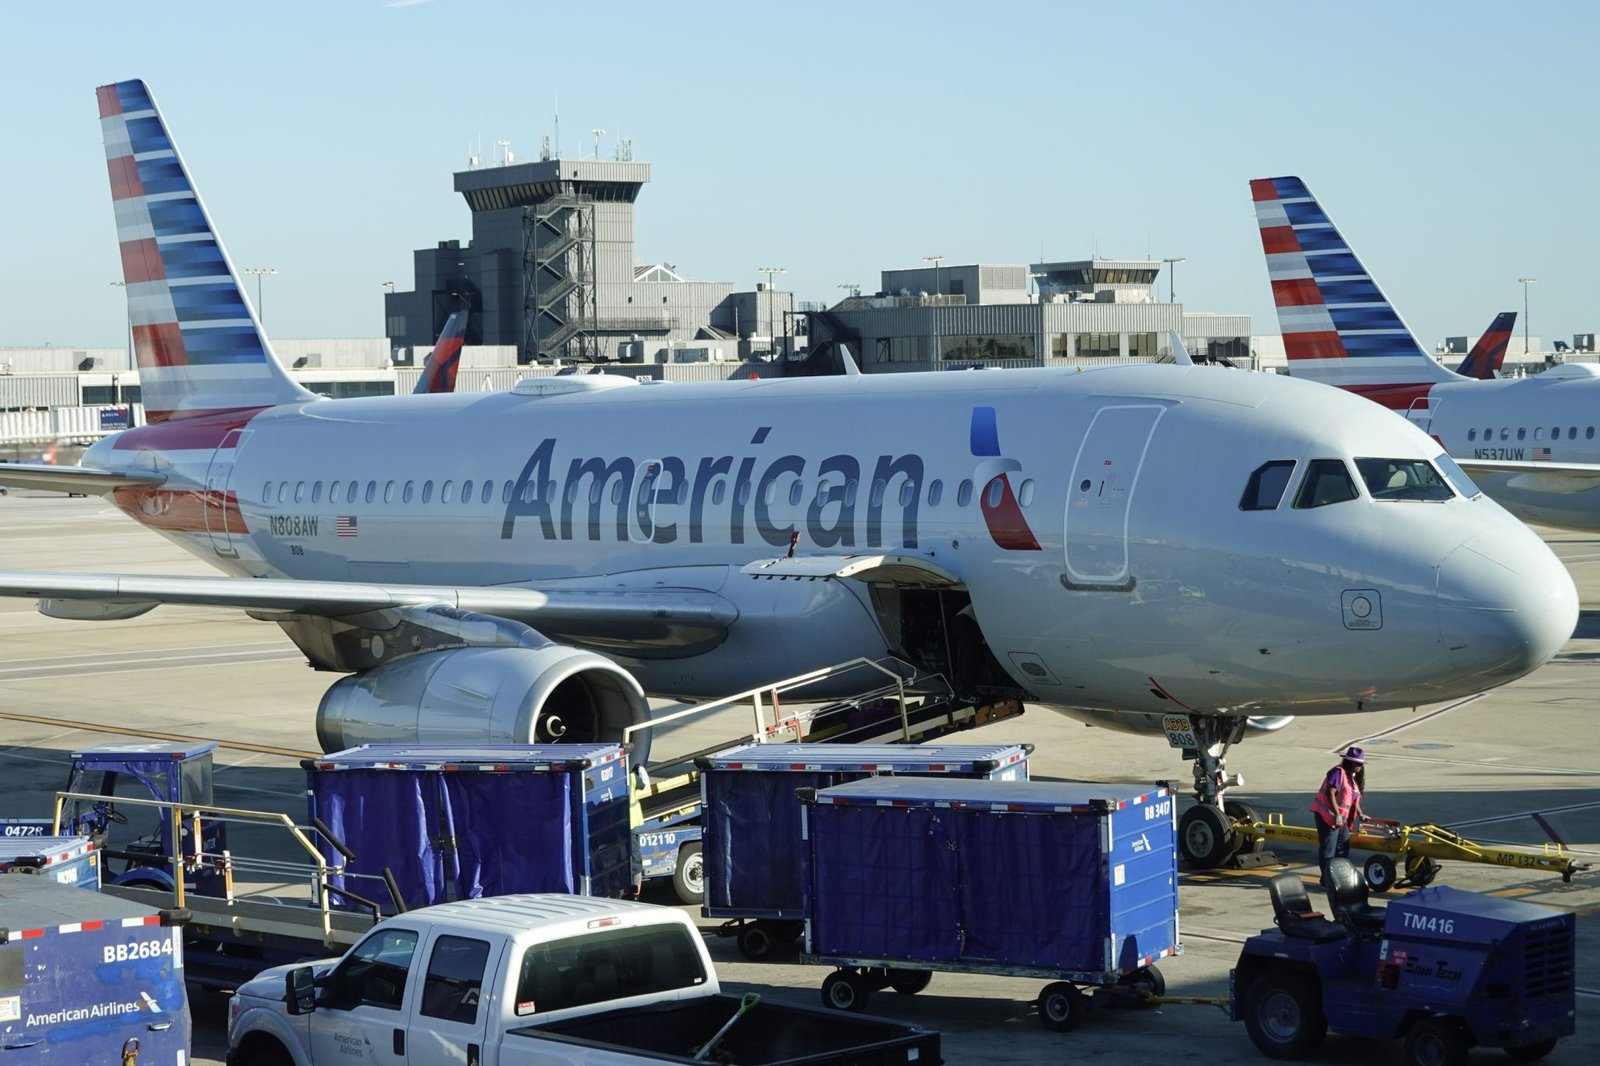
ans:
x=1206 y=836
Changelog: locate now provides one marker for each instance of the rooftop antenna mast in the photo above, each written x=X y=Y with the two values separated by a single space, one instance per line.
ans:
x=558 y=125
x=598 y=133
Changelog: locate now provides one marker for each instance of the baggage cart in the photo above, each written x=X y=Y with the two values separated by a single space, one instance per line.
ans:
x=753 y=851
x=70 y=860
x=1075 y=884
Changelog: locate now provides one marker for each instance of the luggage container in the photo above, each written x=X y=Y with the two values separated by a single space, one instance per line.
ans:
x=1077 y=884
x=486 y=820
x=86 y=977
x=64 y=860
x=755 y=858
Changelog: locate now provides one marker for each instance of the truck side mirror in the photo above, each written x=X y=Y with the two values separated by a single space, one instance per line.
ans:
x=300 y=990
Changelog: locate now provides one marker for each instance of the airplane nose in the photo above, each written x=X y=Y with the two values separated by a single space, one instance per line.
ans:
x=1506 y=604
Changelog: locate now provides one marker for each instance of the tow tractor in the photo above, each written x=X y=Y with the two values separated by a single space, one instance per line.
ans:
x=1441 y=968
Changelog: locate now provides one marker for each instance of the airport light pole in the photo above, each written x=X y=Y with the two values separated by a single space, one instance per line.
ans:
x=1172 y=277
x=1527 y=327
x=852 y=287
x=259 y=272
x=772 y=324
x=935 y=260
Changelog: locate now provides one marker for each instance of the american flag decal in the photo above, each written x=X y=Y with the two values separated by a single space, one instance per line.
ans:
x=345 y=525
x=1541 y=453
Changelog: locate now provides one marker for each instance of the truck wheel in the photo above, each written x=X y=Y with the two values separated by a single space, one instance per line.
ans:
x=1240 y=811
x=1437 y=1042
x=755 y=941
x=909 y=982
x=268 y=1053
x=1379 y=871
x=1532 y=1052
x=1062 y=1006
x=689 y=876
x=844 y=990
x=1206 y=837
x=1283 y=1016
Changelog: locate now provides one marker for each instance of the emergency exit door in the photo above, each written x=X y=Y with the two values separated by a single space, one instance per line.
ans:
x=1101 y=492
x=223 y=518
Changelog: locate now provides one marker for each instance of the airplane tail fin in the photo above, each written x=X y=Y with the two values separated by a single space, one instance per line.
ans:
x=1489 y=354
x=1338 y=327
x=439 y=371
x=199 y=343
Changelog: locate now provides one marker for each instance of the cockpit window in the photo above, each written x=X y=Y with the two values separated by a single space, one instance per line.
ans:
x=1456 y=477
x=1265 y=488
x=1327 y=481
x=1402 y=479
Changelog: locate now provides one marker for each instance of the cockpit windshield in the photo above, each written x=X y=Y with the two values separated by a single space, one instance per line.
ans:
x=1327 y=481
x=1456 y=477
x=1403 y=479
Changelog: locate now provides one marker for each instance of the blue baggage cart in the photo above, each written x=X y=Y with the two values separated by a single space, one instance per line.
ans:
x=459 y=822
x=69 y=860
x=1077 y=884
x=754 y=855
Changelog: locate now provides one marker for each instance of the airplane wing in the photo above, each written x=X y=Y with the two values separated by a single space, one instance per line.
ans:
x=632 y=618
x=79 y=479
x=1538 y=476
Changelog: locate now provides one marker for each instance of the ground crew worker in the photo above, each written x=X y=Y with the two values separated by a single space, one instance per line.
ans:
x=1337 y=808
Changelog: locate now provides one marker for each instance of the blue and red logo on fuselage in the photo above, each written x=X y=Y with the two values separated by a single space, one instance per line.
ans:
x=996 y=495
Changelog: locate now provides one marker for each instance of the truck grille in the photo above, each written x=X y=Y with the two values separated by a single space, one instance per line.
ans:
x=1550 y=962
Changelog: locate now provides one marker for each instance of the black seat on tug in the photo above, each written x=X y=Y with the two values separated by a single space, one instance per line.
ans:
x=1347 y=893
x=1291 y=911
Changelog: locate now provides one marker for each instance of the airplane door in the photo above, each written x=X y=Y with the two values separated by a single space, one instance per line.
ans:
x=223 y=522
x=1100 y=492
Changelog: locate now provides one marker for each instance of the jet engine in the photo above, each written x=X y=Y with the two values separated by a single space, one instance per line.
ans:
x=487 y=695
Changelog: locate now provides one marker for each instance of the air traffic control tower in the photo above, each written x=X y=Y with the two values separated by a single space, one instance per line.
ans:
x=550 y=269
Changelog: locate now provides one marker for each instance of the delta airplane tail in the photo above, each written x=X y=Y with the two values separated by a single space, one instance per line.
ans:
x=199 y=343
x=1489 y=354
x=1338 y=327
x=439 y=371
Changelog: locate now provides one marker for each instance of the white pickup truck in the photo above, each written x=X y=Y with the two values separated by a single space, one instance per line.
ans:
x=538 y=980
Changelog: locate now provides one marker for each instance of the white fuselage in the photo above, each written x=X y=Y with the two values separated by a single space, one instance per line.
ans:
x=1134 y=583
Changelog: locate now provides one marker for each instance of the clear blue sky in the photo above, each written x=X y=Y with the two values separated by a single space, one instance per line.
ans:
x=1454 y=143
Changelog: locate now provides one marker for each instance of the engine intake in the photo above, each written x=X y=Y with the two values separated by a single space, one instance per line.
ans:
x=503 y=695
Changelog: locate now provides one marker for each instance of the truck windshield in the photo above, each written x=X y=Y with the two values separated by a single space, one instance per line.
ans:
x=605 y=965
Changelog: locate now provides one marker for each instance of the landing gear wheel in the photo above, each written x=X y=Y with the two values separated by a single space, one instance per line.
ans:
x=689 y=876
x=844 y=990
x=1206 y=837
x=909 y=982
x=1239 y=811
x=1062 y=1006
x=1437 y=1042
x=1146 y=982
x=1421 y=870
x=1282 y=1015
x=755 y=941
x=1379 y=872
x=1532 y=1052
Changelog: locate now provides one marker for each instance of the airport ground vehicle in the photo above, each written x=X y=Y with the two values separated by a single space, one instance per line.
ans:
x=1442 y=968
x=86 y=977
x=70 y=860
x=525 y=979
x=1076 y=884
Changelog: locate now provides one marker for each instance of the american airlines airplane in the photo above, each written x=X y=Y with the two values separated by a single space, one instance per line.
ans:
x=1529 y=442
x=1174 y=550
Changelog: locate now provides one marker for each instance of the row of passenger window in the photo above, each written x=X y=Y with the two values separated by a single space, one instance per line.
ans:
x=484 y=492
x=1539 y=433
x=1328 y=481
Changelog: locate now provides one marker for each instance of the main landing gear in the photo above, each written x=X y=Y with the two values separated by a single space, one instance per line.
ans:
x=1206 y=834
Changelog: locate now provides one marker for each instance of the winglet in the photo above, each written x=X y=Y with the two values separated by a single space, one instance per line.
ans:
x=851 y=370
x=439 y=371
x=1489 y=354
x=1180 y=354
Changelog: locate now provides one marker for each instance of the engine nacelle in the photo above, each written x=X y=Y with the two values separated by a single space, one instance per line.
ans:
x=503 y=695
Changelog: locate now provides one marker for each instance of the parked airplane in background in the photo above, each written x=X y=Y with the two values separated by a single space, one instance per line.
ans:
x=1530 y=442
x=439 y=370
x=1160 y=549
x=1489 y=354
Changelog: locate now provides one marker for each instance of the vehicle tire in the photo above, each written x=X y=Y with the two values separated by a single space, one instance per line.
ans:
x=789 y=932
x=1062 y=1006
x=909 y=982
x=1283 y=1015
x=1379 y=872
x=1532 y=1052
x=268 y=1053
x=844 y=990
x=1240 y=811
x=689 y=876
x=1148 y=981
x=1206 y=837
x=1421 y=870
x=755 y=941
x=1436 y=1041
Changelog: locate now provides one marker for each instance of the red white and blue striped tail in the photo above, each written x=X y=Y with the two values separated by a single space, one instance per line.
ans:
x=1338 y=327
x=199 y=343
x=439 y=371
x=1489 y=354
